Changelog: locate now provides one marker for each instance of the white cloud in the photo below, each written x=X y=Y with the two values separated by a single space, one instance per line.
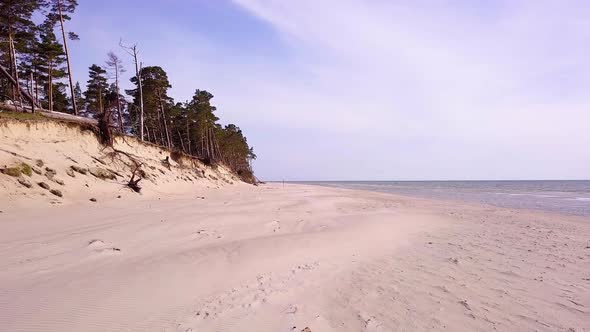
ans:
x=509 y=75
x=381 y=89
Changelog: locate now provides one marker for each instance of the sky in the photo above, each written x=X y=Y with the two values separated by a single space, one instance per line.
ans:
x=372 y=89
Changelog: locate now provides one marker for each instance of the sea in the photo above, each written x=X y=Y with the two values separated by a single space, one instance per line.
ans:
x=565 y=197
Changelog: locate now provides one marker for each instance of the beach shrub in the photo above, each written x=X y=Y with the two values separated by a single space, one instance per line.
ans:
x=26 y=169
x=12 y=171
x=19 y=170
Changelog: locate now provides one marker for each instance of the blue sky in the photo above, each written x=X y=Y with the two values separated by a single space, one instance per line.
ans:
x=373 y=89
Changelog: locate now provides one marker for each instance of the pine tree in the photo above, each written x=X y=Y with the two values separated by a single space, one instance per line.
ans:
x=17 y=32
x=205 y=121
x=61 y=102
x=115 y=66
x=138 y=105
x=78 y=95
x=113 y=103
x=156 y=103
x=236 y=152
x=58 y=13
x=49 y=64
x=96 y=90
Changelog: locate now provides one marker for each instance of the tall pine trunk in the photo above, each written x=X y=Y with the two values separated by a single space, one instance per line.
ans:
x=36 y=88
x=161 y=105
x=119 y=111
x=100 y=106
x=181 y=140
x=63 y=33
x=140 y=97
x=188 y=138
x=137 y=74
x=11 y=61
x=15 y=89
x=50 y=87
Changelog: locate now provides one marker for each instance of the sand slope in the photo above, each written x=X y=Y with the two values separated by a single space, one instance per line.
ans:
x=283 y=259
x=52 y=148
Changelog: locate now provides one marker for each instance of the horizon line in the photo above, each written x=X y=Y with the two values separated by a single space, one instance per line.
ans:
x=479 y=180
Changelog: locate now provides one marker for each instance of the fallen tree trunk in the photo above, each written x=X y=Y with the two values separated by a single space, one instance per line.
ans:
x=68 y=117
x=49 y=114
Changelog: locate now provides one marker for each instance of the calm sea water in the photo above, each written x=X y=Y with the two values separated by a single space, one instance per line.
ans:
x=567 y=197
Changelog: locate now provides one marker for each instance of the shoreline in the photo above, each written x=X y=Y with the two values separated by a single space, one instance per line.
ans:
x=458 y=202
x=270 y=259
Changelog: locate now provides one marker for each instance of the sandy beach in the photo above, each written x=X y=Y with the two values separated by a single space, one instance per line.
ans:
x=294 y=166
x=274 y=258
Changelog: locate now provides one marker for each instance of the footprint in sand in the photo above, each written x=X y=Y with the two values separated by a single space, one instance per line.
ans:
x=227 y=309
x=370 y=322
x=203 y=234
x=96 y=243
x=275 y=225
x=99 y=246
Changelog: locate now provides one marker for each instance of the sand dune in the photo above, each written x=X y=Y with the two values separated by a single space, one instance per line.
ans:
x=270 y=258
x=69 y=158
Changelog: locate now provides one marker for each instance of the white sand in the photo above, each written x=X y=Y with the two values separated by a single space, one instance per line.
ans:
x=283 y=259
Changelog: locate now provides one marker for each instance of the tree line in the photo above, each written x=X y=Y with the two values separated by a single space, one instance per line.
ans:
x=35 y=63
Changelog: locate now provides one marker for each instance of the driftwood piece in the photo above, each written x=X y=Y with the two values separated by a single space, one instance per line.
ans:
x=166 y=163
x=133 y=182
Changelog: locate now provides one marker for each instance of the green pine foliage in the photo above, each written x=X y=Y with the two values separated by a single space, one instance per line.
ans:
x=16 y=24
x=237 y=154
x=96 y=90
x=191 y=127
x=61 y=102
x=78 y=95
x=67 y=8
x=156 y=103
x=49 y=66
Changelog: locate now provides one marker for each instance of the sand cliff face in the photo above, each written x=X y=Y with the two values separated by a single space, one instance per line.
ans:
x=52 y=162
